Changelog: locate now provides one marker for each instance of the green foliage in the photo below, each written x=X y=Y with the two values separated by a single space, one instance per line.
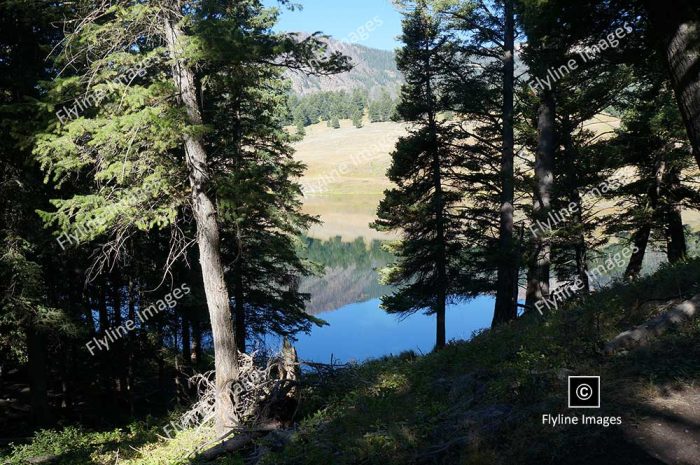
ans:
x=334 y=105
x=428 y=194
x=137 y=444
x=395 y=409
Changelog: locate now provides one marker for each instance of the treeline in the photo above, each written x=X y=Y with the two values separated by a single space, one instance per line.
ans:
x=336 y=253
x=527 y=182
x=337 y=105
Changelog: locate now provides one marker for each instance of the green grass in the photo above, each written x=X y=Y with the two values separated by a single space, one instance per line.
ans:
x=477 y=402
x=141 y=443
x=481 y=401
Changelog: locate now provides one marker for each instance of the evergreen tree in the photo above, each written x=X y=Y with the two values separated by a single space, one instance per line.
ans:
x=149 y=154
x=357 y=119
x=259 y=203
x=335 y=124
x=425 y=203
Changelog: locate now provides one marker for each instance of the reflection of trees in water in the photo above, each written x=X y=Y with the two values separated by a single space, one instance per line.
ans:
x=350 y=273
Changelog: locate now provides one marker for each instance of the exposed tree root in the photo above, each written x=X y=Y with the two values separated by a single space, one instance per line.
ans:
x=265 y=398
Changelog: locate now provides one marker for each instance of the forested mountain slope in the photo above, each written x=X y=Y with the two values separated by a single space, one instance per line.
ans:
x=372 y=70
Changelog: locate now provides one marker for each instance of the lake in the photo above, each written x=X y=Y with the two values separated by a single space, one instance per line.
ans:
x=362 y=330
x=346 y=296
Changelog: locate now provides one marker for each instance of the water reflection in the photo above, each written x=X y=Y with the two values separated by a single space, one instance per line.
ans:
x=362 y=330
x=347 y=297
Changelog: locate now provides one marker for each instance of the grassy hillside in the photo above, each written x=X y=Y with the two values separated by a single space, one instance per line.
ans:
x=477 y=402
x=481 y=402
x=346 y=176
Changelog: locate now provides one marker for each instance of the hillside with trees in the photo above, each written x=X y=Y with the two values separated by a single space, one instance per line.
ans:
x=372 y=70
x=154 y=234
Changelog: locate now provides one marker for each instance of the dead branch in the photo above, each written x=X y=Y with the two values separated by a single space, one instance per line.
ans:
x=643 y=334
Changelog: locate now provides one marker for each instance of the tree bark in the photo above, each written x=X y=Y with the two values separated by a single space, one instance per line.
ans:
x=130 y=349
x=203 y=208
x=506 y=307
x=676 y=24
x=675 y=235
x=196 y=341
x=538 y=275
x=640 y=239
x=641 y=242
x=572 y=186
x=441 y=256
x=186 y=341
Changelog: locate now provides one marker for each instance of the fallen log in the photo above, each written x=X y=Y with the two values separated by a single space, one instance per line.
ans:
x=239 y=441
x=643 y=334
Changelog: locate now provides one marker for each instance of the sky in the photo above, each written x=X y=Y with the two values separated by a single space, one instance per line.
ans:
x=372 y=23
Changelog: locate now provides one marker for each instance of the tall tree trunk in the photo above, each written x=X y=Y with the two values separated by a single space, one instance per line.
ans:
x=640 y=239
x=438 y=211
x=675 y=235
x=102 y=307
x=677 y=26
x=225 y=351
x=186 y=341
x=572 y=186
x=196 y=341
x=108 y=394
x=38 y=377
x=506 y=308
x=538 y=275
x=119 y=344
x=130 y=349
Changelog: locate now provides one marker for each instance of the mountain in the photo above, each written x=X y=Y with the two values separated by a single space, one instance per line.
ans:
x=373 y=69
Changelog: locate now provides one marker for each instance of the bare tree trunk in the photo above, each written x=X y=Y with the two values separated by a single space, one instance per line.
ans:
x=186 y=341
x=677 y=25
x=196 y=341
x=441 y=258
x=130 y=349
x=640 y=239
x=675 y=235
x=119 y=344
x=506 y=307
x=225 y=351
x=572 y=186
x=538 y=275
x=641 y=242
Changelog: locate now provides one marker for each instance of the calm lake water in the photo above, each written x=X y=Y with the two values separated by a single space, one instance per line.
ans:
x=347 y=296
x=362 y=330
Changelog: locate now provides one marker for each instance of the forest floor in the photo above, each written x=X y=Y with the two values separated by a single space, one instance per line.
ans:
x=476 y=402
x=482 y=402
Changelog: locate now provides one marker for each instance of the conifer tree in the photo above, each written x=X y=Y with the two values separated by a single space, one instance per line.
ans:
x=424 y=204
x=139 y=71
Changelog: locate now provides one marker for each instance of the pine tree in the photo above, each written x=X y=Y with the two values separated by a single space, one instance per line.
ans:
x=652 y=142
x=485 y=98
x=423 y=206
x=259 y=204
x=149 y=154
x=357 y=119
